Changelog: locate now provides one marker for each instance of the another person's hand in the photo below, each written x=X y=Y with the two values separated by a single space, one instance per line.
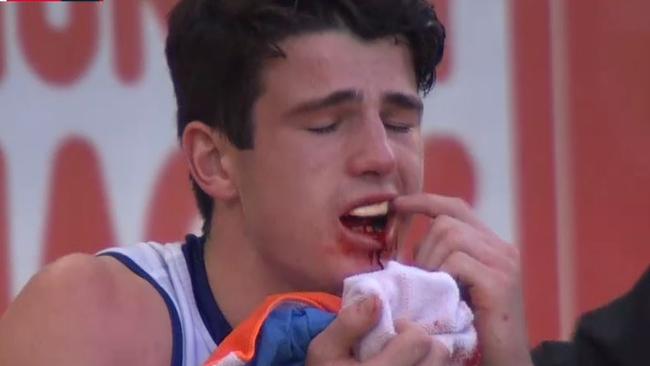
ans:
x=410 y=347
x=458 y=243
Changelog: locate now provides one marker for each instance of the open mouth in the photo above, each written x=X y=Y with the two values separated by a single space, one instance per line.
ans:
x=369 y=220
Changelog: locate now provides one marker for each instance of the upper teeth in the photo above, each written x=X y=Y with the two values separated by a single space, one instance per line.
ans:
x=377 y=209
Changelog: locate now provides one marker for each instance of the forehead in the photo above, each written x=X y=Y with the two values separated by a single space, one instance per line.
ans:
x=319 y=63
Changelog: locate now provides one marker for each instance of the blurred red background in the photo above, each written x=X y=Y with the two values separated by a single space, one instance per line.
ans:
x=576 y=127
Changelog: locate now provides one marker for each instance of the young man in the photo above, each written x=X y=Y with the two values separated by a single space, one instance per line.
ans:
x=292 y=114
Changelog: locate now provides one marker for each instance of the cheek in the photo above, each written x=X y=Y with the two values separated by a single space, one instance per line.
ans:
x=290 y=194
x=411 y=168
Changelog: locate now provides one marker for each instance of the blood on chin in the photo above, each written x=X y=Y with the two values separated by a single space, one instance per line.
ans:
x=365 y=260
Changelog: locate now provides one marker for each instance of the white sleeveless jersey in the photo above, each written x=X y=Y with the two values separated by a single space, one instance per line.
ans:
x=177 y=272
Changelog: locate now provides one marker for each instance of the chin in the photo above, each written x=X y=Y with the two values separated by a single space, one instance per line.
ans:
x=353 y=265
x=327 y=272
x=331 y=280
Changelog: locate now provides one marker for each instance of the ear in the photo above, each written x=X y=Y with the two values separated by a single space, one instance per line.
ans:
x=210 y=157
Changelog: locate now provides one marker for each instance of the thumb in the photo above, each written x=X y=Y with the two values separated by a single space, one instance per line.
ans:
x=347 y=329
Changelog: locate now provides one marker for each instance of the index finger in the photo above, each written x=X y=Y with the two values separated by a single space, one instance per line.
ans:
x=433 y=205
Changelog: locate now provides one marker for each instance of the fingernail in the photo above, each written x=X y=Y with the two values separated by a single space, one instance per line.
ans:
x=367 y=305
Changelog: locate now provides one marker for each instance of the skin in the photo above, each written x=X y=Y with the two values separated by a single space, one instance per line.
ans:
x=338 y=121
x=83 y=310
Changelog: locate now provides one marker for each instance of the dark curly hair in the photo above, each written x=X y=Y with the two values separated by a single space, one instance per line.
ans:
x=216 y=49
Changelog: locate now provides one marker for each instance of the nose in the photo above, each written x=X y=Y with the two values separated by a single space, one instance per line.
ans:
x=372 y=153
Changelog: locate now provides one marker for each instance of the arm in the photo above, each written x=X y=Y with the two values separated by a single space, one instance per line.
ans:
x=615 y=334
x=83 y=310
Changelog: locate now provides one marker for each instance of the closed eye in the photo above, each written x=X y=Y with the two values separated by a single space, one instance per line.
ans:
x=398 y=127
x=325 y=129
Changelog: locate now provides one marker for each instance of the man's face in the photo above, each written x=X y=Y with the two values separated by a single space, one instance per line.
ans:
x=337 y=127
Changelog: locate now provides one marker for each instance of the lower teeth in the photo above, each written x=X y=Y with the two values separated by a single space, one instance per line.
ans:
x=366 y=229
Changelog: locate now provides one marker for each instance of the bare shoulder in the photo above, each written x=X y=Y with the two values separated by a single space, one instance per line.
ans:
x=83 y=310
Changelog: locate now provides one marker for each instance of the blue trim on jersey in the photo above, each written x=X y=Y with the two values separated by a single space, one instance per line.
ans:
x=213 y=318
x=177 y=330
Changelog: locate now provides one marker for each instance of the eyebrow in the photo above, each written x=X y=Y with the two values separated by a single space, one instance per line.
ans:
x=350 y=95
x=404 y=101
x=331 y=100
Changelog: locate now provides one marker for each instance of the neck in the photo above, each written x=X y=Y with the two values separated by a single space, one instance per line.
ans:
x=238 y=277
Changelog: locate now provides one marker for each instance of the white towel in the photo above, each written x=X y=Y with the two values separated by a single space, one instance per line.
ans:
x=431 y=299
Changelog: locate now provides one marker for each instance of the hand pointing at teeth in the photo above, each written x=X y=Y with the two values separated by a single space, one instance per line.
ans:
x=458 y=243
